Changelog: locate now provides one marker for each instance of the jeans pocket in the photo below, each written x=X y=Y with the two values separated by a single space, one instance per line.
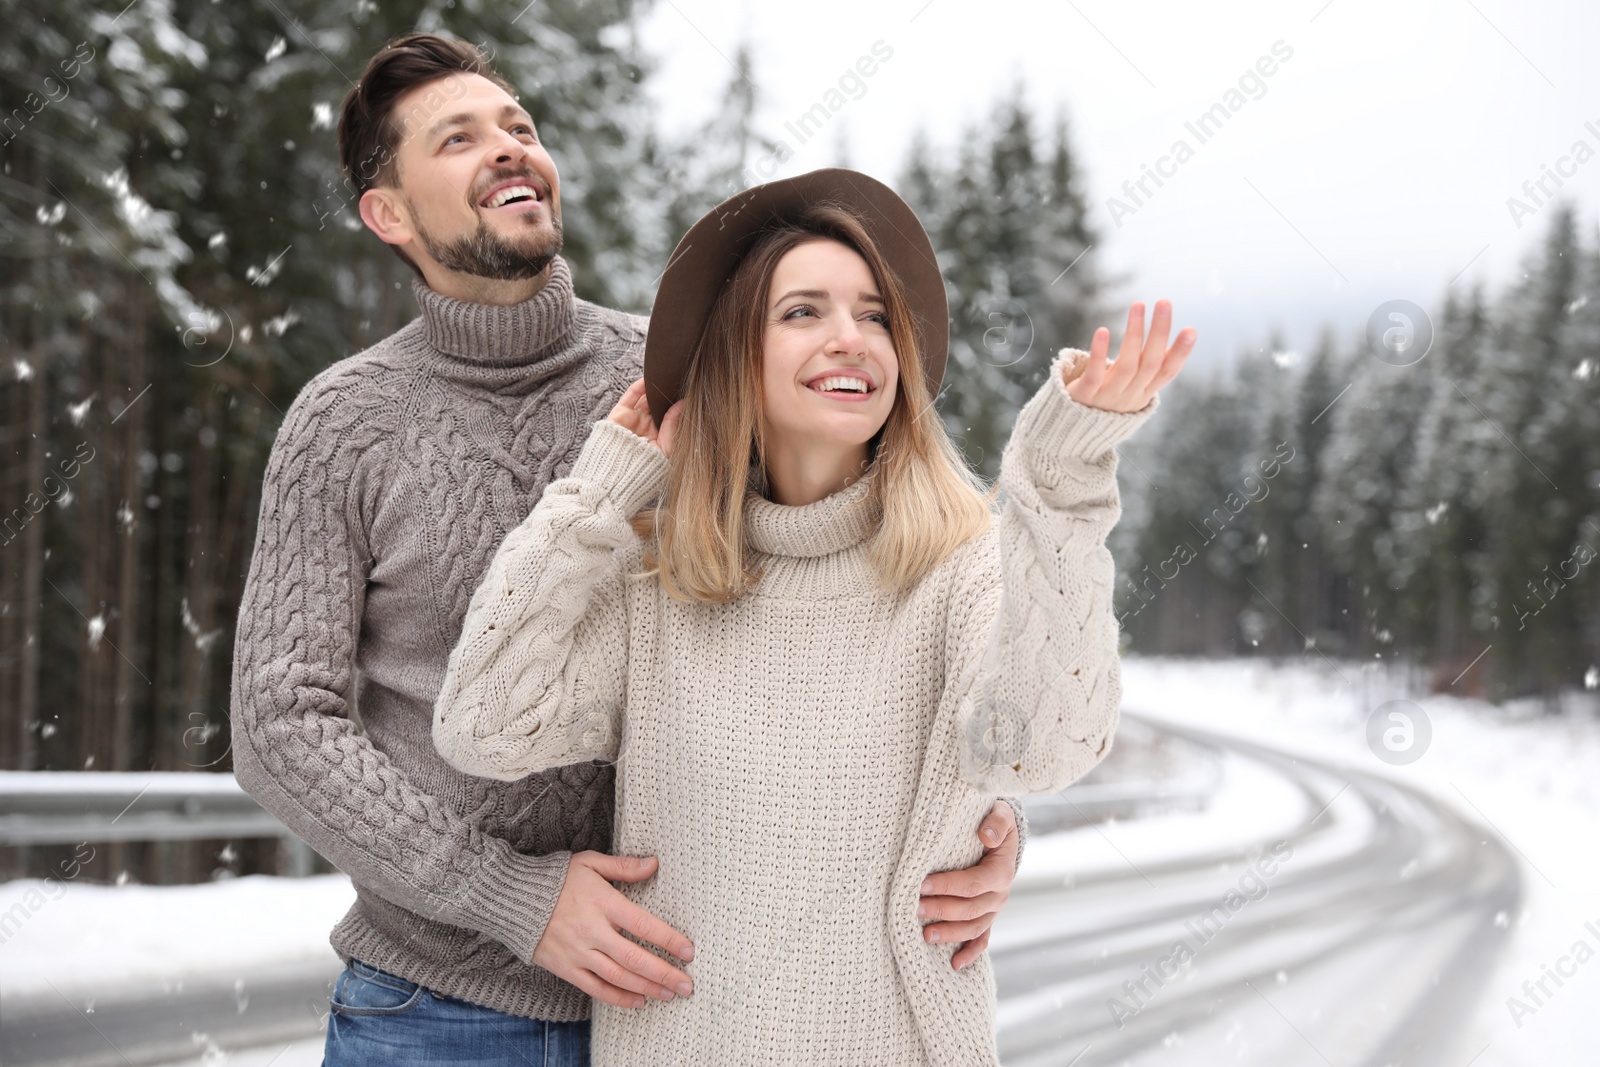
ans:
x=364 y=990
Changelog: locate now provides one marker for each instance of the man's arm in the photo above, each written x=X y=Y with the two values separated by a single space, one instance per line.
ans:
x=297 y=752
x=294 y=747
x=962 y=905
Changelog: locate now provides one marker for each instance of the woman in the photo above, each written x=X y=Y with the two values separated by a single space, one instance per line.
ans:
x=822 y=612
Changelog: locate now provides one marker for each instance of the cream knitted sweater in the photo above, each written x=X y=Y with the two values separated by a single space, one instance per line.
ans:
x=753 y=740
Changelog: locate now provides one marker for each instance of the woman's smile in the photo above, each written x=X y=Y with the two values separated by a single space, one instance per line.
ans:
x=844 y=386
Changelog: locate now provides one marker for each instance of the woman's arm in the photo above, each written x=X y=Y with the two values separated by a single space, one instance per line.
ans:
x=538 y=677
x=1037 y=656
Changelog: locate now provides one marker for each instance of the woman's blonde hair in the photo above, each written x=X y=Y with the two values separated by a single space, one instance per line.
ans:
x=931 y=502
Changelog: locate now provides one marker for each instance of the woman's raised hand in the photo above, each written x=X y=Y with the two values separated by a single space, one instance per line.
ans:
x=1142 y=366
x=633 y=412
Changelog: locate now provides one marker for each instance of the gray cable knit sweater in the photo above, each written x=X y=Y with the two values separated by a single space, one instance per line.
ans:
x=395 y=476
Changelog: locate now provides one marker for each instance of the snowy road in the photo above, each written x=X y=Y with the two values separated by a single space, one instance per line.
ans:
x=1359 y=934
x=1309 y=914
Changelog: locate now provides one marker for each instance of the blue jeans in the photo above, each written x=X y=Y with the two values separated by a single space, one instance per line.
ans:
x=380 y=1020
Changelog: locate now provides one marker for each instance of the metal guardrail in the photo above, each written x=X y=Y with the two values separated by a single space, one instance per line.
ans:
x=201 y=1018
x=1094 y=802
x=69 y=807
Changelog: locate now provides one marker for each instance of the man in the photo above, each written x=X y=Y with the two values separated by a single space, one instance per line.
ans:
x=485 y=916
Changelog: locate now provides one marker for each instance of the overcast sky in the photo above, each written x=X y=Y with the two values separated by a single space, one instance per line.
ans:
x=1374 y=163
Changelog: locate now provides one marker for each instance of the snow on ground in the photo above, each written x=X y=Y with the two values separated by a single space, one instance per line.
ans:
x=85 y=937
x=1533 y=779
x=1251 y=805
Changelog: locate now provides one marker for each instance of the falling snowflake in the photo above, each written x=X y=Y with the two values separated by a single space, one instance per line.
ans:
x=278 y=47
x=264 y=275
x=202 y=641
x=275 y=326
x=97 y=629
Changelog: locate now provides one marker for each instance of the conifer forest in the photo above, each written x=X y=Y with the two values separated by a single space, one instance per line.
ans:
x=179 y=254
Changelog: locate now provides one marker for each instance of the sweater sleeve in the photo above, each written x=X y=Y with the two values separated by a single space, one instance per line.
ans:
x=295 y=748
x=538 y=677
x=1022 y=828
x=1037 y=678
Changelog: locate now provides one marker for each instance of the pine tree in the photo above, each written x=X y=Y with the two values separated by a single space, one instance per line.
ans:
x=1072 y=302
x=1534 y=475
x=1183 y=590
x=725 y=155
x=1292 y=589
x=1441 y=510
x=1006 y=218
x=1370 y=444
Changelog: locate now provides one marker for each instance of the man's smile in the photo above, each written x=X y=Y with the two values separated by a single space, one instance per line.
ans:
x=514 y=193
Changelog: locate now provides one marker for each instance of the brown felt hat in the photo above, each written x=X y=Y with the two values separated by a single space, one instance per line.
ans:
x=709 y=252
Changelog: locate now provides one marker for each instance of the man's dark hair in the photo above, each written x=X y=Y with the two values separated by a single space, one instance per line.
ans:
x=369 y=130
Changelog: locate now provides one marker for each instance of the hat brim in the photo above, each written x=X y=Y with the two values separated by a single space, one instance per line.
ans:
x=706 y=257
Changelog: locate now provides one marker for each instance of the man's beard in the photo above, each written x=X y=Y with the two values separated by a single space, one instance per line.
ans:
x=485 y=254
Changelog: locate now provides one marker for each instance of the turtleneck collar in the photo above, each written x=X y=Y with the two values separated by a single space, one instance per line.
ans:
x=838 y=521
x=497 y=344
